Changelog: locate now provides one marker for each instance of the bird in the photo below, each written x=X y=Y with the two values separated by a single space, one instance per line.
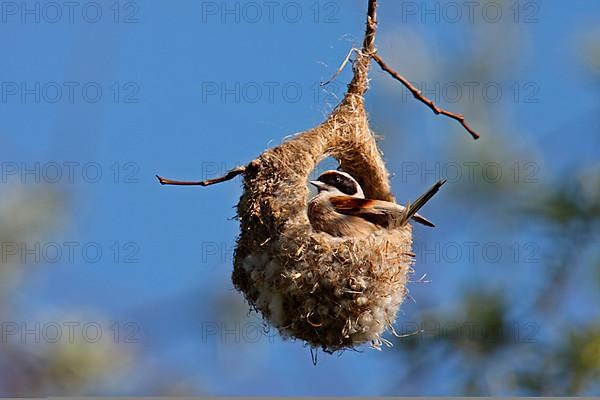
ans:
x=340 y=208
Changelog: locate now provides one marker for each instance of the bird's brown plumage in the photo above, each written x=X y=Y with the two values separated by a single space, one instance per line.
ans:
x=341 y=209
x=378 y=212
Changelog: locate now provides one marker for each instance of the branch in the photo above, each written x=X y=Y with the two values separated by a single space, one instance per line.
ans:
x=360 y=81
x=371 y=30
x=419 y=96
x=230 y=175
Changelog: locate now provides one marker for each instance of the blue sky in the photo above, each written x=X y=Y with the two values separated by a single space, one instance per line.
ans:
x=165 y=120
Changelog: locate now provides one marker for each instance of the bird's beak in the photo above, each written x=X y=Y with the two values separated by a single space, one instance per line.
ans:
x=318 y=184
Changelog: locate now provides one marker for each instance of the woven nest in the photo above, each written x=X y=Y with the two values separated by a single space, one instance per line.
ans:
x=333 y=293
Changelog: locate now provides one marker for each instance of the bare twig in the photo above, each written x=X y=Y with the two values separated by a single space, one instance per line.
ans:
x=368 y=52
x=230 y=175
x=358 y=86
x=371 y=30
x=419 y=96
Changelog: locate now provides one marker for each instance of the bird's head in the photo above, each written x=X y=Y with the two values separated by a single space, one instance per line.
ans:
x=338 y=182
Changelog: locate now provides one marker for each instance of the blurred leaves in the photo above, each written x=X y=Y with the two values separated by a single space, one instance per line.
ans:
x=62 y=368
x=571 y=201
x=534 y=331
x=591 y=50
x=565 y=362
x=496 y=337
x=581 y=357
x=25 y=214
x=30 y=366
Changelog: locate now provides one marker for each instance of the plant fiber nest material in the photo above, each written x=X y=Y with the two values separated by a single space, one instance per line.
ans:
x=334 y=293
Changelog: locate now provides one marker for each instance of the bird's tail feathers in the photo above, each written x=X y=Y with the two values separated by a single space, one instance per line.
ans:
x=411 y=209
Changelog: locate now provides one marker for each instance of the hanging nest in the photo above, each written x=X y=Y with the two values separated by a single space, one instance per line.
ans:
x=332 y=292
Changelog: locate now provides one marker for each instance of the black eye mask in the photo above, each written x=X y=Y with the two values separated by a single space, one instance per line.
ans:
x=344 y=184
